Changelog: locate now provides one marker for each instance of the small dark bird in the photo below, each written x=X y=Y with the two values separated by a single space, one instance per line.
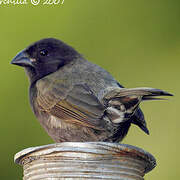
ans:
x=76 y=100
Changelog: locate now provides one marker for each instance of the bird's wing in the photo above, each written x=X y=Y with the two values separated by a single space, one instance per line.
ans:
x=76 y=105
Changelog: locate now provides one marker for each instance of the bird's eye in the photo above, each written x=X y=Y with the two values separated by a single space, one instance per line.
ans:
x=44 y=52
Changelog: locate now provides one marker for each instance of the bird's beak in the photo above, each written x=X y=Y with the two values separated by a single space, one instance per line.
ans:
x=22 y=59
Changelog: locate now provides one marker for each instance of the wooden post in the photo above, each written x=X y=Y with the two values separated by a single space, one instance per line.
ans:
x=85 y=160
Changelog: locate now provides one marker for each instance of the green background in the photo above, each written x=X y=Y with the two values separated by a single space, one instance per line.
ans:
x=137 y=41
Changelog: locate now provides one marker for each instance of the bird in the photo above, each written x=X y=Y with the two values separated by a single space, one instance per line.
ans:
x=76 y=100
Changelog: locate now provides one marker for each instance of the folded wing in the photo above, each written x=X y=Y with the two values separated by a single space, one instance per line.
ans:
x=75 y=105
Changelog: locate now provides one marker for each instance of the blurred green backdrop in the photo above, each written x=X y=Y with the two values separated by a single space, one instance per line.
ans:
x=137 y=41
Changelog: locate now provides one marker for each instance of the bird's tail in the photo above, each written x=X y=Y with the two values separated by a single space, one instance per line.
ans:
x=144 y=93
x=130 y=98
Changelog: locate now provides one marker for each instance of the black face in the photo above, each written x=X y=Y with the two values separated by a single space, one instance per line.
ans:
x=44 y=57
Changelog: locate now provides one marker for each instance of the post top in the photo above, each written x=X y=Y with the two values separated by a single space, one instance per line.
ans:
x=86 y=149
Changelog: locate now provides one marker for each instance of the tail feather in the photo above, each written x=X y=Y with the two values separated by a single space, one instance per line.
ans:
x=144 y=92
x=138 y=119
x=150 y=98
x=126 y=102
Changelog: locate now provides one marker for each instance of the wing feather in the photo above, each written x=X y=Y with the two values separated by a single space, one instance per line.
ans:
x=77 y=105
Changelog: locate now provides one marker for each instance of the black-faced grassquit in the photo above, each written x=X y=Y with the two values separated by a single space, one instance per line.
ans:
x=76 y=100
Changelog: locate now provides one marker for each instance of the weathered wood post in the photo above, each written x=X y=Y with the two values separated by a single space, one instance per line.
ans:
x=88 y=160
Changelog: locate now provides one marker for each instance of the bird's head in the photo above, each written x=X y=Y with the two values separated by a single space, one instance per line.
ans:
x=44 y=57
